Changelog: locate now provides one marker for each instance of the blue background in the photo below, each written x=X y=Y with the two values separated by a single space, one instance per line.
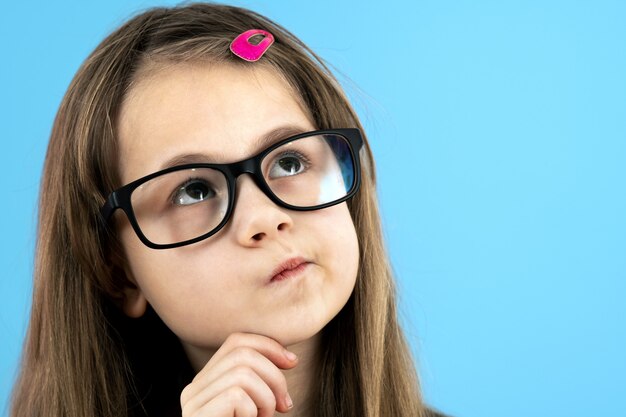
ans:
x=499 y=130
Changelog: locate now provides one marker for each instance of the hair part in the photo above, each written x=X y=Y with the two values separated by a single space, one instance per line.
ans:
x=75 y=360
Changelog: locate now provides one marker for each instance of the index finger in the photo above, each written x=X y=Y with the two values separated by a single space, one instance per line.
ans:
x=266 y=346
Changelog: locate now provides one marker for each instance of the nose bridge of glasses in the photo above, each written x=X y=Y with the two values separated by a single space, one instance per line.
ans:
x=248 y=166
x=251 y=167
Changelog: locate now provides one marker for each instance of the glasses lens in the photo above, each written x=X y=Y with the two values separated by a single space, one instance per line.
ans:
x=310 y=171
x=180 y=205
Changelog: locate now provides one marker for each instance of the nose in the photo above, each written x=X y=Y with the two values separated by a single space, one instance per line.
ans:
x=256 y=218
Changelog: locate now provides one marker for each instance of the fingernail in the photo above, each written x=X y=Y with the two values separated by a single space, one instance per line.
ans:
x=288 y=401
x=290 y=355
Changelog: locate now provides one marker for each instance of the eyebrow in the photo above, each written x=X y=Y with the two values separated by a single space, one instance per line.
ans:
x=260 y=143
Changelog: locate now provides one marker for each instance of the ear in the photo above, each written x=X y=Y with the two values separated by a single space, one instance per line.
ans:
x=130 y=299
x=134 y=303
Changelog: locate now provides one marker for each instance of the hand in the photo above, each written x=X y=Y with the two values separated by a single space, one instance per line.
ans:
x=243 y=378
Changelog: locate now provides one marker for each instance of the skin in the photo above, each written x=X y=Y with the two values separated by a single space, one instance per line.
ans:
x=214 y=294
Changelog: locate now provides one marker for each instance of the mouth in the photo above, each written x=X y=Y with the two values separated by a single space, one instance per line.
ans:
x=288 y=269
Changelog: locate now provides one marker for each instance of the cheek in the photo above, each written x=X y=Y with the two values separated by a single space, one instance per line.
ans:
x=183 y=292
x=165 y=276
x=341 y=245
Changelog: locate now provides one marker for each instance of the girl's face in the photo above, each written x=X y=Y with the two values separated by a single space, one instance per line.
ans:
x=210 y=289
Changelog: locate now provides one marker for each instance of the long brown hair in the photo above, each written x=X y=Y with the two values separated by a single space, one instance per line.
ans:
x=75 y=360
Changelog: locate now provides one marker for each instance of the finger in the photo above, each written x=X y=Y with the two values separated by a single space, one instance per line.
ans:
x=252 y=359
x=268 y=347
x=233 y=402
x=249 y=381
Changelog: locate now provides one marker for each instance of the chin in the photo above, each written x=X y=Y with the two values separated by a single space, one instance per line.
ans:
x=295 y=331
x=291 y=340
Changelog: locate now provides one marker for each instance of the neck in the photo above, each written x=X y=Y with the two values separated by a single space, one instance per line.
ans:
x=303 y=380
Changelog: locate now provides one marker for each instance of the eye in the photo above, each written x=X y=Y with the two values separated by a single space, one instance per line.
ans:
x=289 y=164
x=193 y=191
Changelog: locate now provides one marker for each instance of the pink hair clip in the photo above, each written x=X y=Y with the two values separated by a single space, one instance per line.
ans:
x=242 y=47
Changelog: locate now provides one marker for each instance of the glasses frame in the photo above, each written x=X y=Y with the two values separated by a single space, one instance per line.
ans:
x=120 y=198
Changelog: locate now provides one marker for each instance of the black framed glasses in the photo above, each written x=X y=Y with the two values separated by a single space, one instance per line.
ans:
x=184 y=204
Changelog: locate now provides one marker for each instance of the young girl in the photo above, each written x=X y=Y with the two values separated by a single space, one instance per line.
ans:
x=209 y=241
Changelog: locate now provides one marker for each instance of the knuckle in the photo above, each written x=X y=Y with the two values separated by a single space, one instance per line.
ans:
x=266 y=399
x=236 y=395
x=186 y=411
x=243 y=373
x=250 y=409
x=235 y=339
x=184 y=396
x=271 y=402
x=243 y=353
x=279 y=379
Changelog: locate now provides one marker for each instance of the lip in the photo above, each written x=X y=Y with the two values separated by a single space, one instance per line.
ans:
x=287 y=269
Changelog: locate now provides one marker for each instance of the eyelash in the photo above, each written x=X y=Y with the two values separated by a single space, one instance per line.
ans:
x=302 y=157
x=184 y=184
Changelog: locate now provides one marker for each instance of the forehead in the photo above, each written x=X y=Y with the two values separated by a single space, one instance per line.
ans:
x=216 y=110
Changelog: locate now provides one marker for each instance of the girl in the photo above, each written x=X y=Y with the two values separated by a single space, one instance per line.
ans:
x=209 y=241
